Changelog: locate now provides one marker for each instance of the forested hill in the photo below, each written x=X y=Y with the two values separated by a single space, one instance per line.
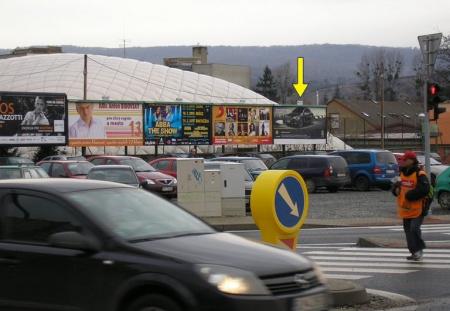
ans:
x=335 y=63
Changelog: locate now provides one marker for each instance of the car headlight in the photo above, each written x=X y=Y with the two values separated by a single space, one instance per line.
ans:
x=151 y=182
x=175 y=181
x=319 y=274
x=231 y=280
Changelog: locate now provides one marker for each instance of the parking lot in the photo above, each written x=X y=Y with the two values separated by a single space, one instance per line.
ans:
x=350 y=203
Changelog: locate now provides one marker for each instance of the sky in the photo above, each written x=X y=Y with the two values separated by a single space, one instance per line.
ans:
x=145 y=23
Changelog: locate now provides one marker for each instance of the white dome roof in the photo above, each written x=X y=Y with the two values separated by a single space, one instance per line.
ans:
x=119 y=79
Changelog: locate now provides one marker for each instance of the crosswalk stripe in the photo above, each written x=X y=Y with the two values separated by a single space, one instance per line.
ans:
x=405 y=264
x=346 y=276
x=367 y=270
x=368 y=254
x=425 y=259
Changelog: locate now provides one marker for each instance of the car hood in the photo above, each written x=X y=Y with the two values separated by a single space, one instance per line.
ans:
x=228 y=250
x=153 y=175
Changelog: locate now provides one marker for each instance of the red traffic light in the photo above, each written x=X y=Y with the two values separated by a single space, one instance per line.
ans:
x=433 y=89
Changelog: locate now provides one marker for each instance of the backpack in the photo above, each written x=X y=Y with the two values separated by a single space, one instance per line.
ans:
x=428 y=199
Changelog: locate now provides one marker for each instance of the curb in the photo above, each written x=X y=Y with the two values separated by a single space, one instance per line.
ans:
x=345 y=293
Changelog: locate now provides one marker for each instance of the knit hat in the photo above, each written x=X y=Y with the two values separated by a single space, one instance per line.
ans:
x=409 y=155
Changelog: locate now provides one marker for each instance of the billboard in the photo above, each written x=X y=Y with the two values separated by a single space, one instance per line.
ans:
x=242 y=125
x=299 y=124
x=33 y=119
x=177 y=124
x=105 y=124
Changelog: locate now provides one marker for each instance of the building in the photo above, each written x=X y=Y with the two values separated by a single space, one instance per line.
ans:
x=358 y=124
x=198 y=63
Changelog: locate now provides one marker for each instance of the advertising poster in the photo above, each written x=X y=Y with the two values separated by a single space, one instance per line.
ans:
x=242 y=125
x=105 y=124
x=177 y=124
x=33 y=119
x=299 y=124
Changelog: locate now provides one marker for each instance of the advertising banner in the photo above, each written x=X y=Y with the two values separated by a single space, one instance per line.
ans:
x=105 y=124
x=177 y=124
x=299 y=124
x=242 y=125
x=33 y=119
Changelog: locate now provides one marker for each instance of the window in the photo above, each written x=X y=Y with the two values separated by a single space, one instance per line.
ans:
x=32 y=219
x=163 y=165
x=299 y=163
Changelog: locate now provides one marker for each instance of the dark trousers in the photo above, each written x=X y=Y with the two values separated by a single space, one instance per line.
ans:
x=411 y=226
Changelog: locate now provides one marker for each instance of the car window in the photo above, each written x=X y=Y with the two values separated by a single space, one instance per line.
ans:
x=362 y=158
x=138 y=165
x=337 y=162
x=30 y=173
x=385 y=158
x=79 y=168
x=280 y=165
x=45 y=167
x=163 y=165
x=42 y=173
x=317 y=162
x=299 y=163
x=32 y=219
x=254 y=164
x=97 y=161
x=58 y=170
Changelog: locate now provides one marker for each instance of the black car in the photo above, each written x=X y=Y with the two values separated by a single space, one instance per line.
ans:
x=317 y=171
x=299 y=117
x=69 y=244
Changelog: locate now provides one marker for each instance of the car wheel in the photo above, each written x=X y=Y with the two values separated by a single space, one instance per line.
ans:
x=362 y=183
x=444 y=200
x=310 y=185
x=154 y=302
x=333 y=188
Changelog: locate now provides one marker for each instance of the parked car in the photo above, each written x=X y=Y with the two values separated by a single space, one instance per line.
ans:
x=329 y=171
x=66 y=168
x=442 y=189
x=101 y=246
x=165 y=165
x=370 y=167
x=267 y=158
x=436 y=167
x=255 y=166
x=248 y=178
x=22 y=171
x=157 y=182
x=64 y=157
x=433 y=155
x=15 y=160
x=299 y=117
x=115 y=173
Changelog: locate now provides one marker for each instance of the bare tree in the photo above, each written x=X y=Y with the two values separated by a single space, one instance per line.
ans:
x=420 y=75
x=380 y=73
x=284 y=77
x=442 y=67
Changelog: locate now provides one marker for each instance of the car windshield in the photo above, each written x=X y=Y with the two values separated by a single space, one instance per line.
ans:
x=432 y=161
x=10 y=173
x=137 y=215
x=79 y=168
x=254 y=165
x=386 y=158
x=138 y=165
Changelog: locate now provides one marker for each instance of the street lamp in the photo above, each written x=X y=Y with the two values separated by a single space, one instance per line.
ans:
x=364 y=127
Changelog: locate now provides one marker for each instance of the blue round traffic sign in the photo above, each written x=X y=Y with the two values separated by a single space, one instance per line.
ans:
x=289 y=202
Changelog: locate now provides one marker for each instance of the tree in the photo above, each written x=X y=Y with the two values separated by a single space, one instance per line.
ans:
x=380 y=73
x=284 y=79
x=420 y=77
x=267 y=85
x=325 y=98
x=337 y=92
x=10 y=152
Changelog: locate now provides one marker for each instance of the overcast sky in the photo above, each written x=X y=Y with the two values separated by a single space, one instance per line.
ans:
x=110 y=23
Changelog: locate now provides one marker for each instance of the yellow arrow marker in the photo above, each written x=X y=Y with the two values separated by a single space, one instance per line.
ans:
x=300 y=87
x=287 y=198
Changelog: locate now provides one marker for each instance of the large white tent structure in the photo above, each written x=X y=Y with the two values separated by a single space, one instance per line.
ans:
x=96 y=77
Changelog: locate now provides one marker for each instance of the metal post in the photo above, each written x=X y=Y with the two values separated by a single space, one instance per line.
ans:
x=83 y=149
x=382 y=106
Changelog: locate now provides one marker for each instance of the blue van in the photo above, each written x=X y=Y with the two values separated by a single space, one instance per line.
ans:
x=370 y=167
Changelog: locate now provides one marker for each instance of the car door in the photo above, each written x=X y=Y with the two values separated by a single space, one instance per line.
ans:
x=34 y=274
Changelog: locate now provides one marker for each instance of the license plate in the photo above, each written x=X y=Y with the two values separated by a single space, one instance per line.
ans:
x=167 y=188
x=390 y=171
x=340 y=174
x=310 y=303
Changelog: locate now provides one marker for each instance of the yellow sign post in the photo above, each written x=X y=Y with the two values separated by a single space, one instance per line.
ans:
x=279 y=205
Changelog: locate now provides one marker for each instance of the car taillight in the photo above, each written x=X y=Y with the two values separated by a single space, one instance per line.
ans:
x=326 y=174
x=377 y=170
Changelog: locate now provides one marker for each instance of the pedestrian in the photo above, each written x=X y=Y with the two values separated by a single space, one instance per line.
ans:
x=192 y=153
x=411 y=191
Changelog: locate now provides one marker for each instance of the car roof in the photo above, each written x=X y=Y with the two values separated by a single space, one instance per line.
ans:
x=112 y=167
x=235 y=158
x=167 y=159
x=58 y=185
x=313 y=156
x=64 y=161
x=114 y=157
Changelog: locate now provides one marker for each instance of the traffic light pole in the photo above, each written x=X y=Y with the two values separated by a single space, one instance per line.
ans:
x=426 y=133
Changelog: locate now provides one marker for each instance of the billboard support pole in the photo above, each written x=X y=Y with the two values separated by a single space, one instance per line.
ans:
x=83 y=149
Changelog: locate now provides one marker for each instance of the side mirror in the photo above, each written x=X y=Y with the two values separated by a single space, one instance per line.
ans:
x=73 y=240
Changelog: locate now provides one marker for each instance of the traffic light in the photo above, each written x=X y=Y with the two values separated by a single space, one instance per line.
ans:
x=434 y=98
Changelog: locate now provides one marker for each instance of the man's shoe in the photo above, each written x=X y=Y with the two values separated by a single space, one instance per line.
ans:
x=418 y=256
x=410 y=257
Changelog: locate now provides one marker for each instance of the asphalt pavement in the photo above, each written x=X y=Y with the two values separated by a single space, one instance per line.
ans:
x=344 y=292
